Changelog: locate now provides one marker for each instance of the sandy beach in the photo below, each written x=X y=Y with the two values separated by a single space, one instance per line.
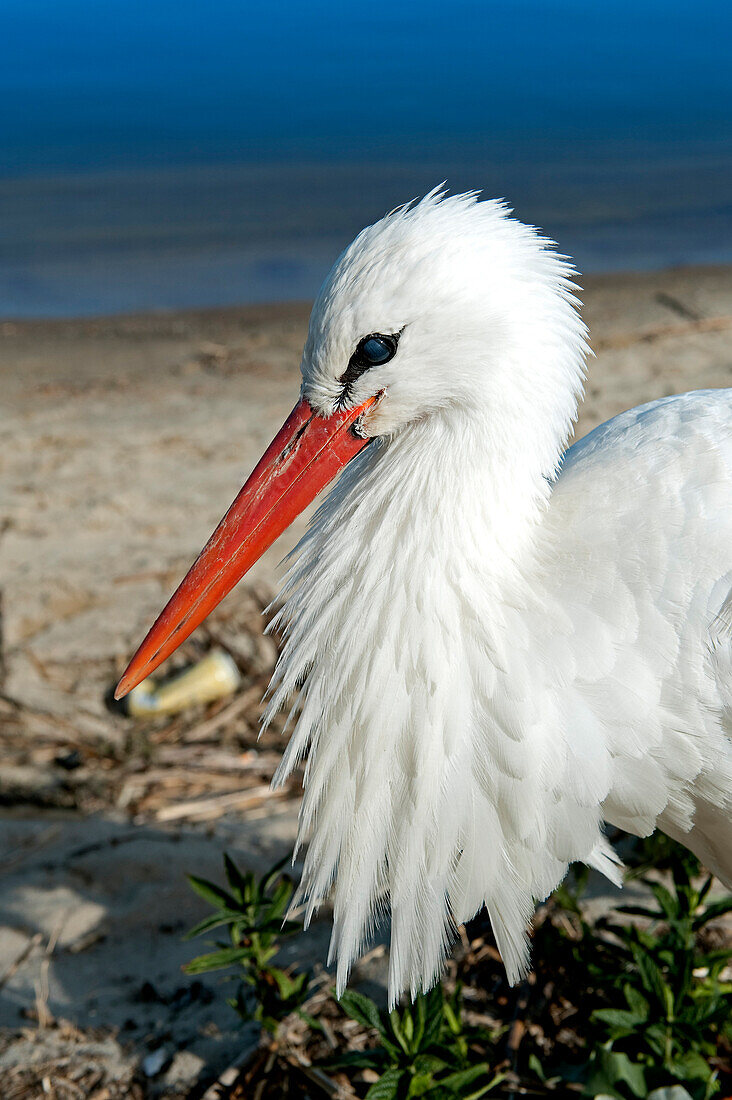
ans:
x=122 y=441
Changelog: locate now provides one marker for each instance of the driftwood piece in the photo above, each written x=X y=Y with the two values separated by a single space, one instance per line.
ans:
x=204 y=809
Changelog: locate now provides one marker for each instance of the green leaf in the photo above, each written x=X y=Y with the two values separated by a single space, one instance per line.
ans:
x=263 y=955
x=429 y=1063
x=493 y=1083
x=216 y=920
x=636 y=1001
x=415 y=1028
x=652 y=976
x=452 y=1019
x=536 y=1067
x=435 y=1015
x=397 y=1029
x=611 y=1067
x=420 y=1084
x=714 y=910
x=287 y=986
x=279 y=901
x=240 y=1006
x=465 y=1077
x=635 y=911
x=240 y=884
x=692 y=1065
x=362 y=1009
x=618 y=1017
x=217 y=960
x=387 y=1087
x=656 y=1039
x=212 y=893
x=313 y=1024
x=358 y=1059
x=274 y=873
x=268 y=1022
x=668 y=903
x=706 y=888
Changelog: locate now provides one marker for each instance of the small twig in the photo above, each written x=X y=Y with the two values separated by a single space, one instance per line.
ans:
x=670 y=301
x=28 y=709
x=267 y=1070
x=18 y=961
x=324 y=1083
x=45 y=1017
x=205 y=808
x=204 y=730
x=518 y=1026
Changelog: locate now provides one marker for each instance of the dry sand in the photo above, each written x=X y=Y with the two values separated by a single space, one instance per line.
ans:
x=122 y=442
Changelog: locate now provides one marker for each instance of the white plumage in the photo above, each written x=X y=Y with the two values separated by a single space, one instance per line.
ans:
x=496 y=646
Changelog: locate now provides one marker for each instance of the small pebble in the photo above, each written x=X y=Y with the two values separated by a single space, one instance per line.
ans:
x=154 y=1062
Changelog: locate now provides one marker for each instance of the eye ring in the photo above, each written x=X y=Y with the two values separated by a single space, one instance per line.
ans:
x=371 y=351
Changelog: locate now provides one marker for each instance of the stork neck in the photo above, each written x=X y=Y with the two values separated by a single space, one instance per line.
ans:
x=394 y=627
x=482 y=493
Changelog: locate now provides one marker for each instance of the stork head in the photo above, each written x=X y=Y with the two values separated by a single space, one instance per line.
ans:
x=448 y=304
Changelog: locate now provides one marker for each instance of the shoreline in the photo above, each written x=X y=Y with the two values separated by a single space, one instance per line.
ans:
x=592 y=282
x=176 y=237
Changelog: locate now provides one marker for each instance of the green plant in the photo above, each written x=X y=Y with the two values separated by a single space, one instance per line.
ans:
x=634 y=1004
x=664 y=1008
x=424 y=1049
x=253 y=912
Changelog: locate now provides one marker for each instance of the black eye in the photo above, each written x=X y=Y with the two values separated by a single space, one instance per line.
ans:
x=374 y=350
x=371 y=351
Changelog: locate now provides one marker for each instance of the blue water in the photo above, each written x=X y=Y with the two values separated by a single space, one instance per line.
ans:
x=159 y=154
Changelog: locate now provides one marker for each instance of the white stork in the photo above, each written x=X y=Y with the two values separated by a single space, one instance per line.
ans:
x=496 y=644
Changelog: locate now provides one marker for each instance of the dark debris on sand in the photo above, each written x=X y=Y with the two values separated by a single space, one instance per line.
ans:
x=194 y=766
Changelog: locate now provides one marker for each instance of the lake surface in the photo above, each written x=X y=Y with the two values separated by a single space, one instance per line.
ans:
x=159 y=155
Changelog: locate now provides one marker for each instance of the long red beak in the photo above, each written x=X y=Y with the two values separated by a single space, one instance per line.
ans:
x=305 y=455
